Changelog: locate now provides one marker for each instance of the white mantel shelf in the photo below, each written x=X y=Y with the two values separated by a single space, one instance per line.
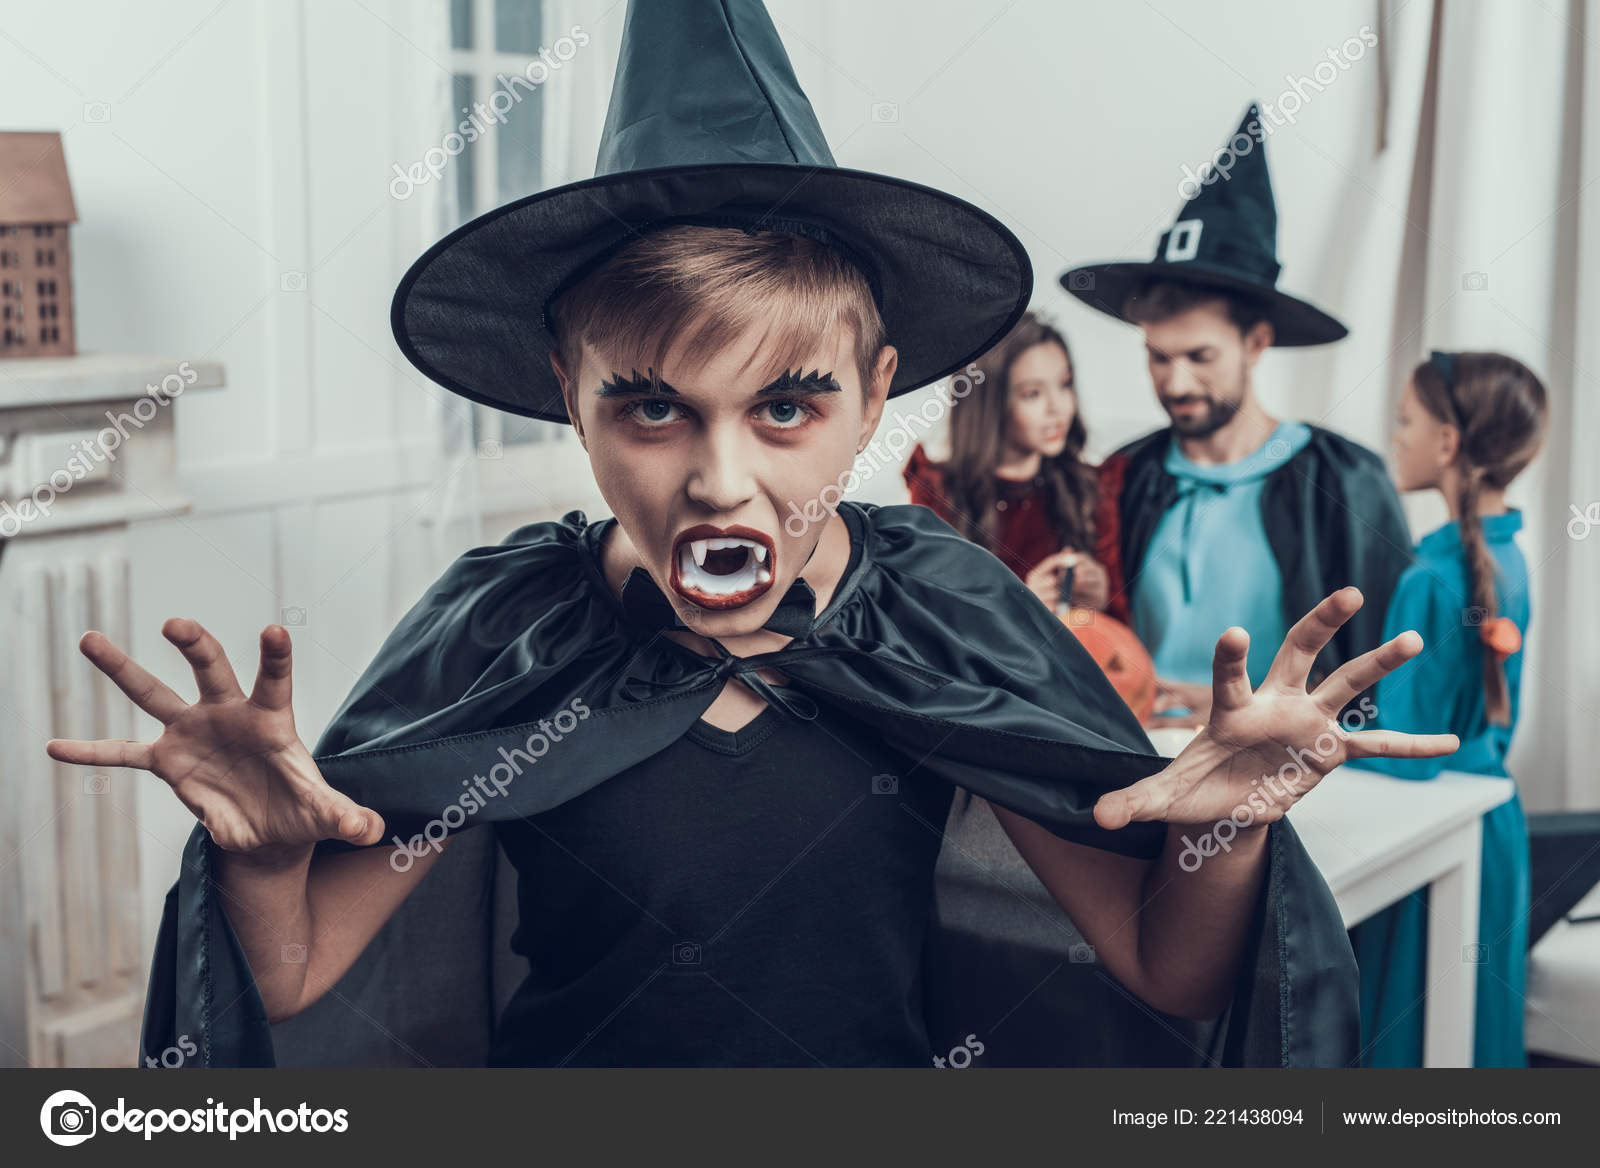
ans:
x=54 y=409
x=94 y=377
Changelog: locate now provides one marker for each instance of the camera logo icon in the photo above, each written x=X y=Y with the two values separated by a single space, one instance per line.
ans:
x=1080 y=281
x=1081 y=954
x=686 y=953
x=885 y=785
x=67 y=1118
x=1474 y=954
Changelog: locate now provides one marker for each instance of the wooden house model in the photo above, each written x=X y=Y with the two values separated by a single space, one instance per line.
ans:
x=36 y=209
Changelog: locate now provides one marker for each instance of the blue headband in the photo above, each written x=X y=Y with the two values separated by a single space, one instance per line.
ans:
x=1445 y=363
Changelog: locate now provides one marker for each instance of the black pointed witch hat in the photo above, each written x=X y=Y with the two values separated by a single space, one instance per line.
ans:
x=707 y=125
x=1225 y=237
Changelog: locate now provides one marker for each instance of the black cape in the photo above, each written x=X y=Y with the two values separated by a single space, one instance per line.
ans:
x=1331 y=516
x=929 y=640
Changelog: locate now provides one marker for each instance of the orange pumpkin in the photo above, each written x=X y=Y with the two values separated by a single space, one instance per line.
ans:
x=1120 y=655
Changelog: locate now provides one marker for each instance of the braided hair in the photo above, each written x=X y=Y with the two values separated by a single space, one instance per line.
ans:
x=1498 y=407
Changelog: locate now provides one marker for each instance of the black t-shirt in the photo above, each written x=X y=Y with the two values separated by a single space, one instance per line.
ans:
x=748 y=898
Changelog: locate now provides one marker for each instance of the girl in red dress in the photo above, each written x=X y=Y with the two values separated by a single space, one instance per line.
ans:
x=1016 y=482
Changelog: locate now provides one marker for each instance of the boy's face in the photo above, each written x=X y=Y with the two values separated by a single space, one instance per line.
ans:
x=704 y=472
x=1200 y=365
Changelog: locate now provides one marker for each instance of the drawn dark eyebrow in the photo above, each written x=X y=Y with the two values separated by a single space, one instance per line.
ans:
x=619 y=386
x=797 y=384
x=811 y=383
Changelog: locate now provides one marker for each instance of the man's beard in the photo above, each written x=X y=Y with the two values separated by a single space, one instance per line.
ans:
x=1219 y=412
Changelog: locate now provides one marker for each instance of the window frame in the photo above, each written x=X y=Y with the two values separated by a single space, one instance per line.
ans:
x=548 y=468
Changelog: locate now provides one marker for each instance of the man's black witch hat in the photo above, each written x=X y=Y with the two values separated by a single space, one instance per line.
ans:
x=707 y=125
x=1225 y=237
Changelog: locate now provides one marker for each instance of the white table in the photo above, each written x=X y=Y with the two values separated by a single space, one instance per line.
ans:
x=1376 y=839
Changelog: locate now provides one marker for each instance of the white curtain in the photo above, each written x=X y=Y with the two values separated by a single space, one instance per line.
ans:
x=455 y=520
x=1485 y=147
x=573 y=105
x=1569 y=643
x=576 y=100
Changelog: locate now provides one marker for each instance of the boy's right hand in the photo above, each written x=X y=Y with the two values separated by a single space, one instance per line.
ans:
x=235 y=761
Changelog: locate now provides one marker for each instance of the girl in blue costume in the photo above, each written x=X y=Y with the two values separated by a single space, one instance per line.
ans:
x=1469 y=422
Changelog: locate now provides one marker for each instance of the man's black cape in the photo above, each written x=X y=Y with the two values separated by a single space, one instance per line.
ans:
x=929 y=641
x=1331 y=516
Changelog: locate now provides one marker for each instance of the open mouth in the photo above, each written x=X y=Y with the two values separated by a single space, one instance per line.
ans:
x=722 y=567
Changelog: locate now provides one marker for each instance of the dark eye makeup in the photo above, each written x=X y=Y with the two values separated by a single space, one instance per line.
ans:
x=787 y=392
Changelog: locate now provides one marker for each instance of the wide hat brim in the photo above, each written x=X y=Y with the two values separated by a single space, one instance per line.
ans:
x=1294 y=322
x=470 y=313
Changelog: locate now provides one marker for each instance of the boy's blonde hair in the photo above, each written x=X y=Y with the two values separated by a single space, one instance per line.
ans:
x=705 y=286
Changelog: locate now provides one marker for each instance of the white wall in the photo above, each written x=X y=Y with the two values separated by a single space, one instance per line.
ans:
x=1071 y=124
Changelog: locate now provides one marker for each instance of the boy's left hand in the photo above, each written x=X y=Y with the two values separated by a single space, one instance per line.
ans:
x=1279 y=732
